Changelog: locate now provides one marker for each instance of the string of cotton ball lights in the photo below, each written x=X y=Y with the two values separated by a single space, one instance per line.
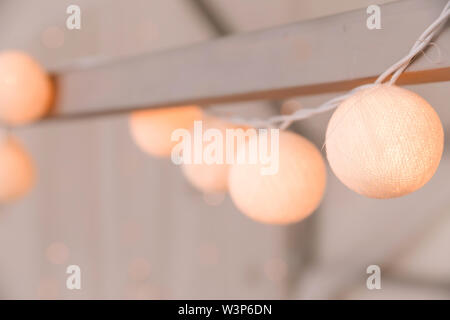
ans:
x=26 y=93
x=284 y=121
x=383 y=141
x=395 y=70
x=152 y=132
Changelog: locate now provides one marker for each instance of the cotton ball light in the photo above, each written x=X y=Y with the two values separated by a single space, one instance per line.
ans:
x=384 y=142
x=210 y=177
x=289 y=195
x=16 y=170
x=152 y=129
x=25 y=89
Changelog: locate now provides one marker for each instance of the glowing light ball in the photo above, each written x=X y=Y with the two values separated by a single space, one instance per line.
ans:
x=25 y=89
x=287 y=196
x=152 y=129
x=213 y=177
x=208 y=178
x=384 y=142
x=16 y=170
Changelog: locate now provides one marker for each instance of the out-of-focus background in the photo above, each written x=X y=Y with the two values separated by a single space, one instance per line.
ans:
x=138 y=230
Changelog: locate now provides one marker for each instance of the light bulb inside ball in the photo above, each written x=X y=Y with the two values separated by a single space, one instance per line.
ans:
x=384 y=142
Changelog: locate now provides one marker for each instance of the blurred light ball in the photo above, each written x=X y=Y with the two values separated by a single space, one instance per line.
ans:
x=152 y=129
x=288 y=196
x=16 y=170
x=210 y=178
x=57 y=253
x=53 y=37
x=384 y=142
x=25 y=89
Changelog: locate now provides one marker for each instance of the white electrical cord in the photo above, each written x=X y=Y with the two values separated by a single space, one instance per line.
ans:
x=395 y=70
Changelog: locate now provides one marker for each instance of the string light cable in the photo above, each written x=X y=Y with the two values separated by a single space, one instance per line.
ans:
x=284 y=121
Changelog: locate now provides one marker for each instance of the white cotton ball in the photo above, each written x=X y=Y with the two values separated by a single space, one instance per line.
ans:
x=384 y=142
x=289 y=195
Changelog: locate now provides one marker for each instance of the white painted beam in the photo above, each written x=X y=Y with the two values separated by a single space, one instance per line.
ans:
x=327 y=54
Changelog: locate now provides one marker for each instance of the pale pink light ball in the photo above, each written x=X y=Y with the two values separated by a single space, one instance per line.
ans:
x=210 y=178
x=384 y=142
x=25 y=89
x=58 y=253
x=16 y=170
x=152 y=129
x=288 y=196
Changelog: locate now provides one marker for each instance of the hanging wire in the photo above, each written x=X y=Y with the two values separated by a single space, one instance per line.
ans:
x=284 y=121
